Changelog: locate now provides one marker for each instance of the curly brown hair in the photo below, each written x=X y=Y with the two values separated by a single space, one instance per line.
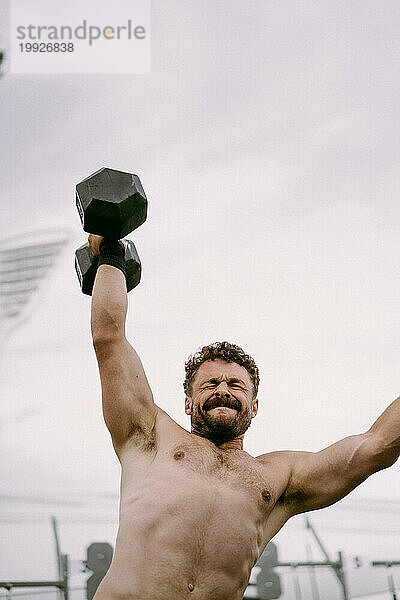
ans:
x=225 y=351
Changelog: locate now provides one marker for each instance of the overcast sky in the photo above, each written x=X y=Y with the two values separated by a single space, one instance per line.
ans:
x=267 y=140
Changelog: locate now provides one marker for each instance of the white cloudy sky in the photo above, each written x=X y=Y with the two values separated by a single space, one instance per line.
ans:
x=266 y=137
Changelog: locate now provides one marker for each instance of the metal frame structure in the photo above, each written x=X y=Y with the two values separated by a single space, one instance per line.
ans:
x=62 y=584
x=25 y=261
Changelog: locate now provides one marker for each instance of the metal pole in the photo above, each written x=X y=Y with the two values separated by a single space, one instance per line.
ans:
x=339 y=571
x=341 y=576
x=392 y=588
x=58 y=553
x=313 y=577
x=317 y=539
x=30 y=584
x=296 y=583
x=65 y=568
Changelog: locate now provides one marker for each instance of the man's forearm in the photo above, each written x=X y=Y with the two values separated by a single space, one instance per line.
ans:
x=109 y=305
x=387 y=429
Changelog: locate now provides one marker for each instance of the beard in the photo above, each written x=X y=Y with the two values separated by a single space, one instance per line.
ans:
x=220 y=428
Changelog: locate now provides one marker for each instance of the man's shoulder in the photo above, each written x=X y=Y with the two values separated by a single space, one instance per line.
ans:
x=278 y=461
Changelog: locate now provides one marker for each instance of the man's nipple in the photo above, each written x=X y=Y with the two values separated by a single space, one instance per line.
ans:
x=179 y=454
x=191 y=587
x=266 y=495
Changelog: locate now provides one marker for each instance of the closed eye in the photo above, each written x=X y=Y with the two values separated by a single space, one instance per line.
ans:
x=210 y=384
x=237 y=384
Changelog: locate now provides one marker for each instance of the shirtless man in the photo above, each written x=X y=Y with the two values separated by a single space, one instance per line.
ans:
x=196 y=510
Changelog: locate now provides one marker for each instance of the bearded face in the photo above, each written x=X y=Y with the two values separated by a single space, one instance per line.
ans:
x=221 y=404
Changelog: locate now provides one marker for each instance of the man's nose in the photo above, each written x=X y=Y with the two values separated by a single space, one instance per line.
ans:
x=222 y=391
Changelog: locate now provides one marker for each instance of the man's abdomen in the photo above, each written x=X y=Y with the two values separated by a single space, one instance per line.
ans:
x=196 y=539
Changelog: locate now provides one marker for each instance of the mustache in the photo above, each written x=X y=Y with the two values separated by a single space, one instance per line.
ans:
x=227 y=402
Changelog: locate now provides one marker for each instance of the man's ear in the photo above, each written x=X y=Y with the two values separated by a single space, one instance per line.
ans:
x=254 y=407
x=188 y=405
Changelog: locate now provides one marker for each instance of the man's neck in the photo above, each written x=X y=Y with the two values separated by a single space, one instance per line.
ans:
x=235 y=444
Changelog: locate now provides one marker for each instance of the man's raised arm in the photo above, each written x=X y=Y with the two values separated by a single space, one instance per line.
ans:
x=319 y=479
x=128 y=406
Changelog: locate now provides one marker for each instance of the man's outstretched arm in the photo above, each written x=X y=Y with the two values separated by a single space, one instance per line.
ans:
x=319 y=479
x=128 y=406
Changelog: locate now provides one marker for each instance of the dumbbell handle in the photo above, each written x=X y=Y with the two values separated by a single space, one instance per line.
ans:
x=86 y=267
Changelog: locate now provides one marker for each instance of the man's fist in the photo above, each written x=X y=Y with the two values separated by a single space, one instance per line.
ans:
x=94 y=242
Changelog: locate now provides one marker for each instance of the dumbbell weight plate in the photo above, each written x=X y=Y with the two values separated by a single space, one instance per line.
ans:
x=111 y=203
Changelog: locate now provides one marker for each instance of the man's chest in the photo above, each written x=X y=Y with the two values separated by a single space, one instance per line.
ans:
x=230 y=474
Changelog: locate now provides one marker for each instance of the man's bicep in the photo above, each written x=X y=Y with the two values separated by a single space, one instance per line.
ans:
x=128 y=405
x=319 y=479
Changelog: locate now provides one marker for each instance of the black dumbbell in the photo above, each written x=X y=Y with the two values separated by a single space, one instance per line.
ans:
x=112 y=204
